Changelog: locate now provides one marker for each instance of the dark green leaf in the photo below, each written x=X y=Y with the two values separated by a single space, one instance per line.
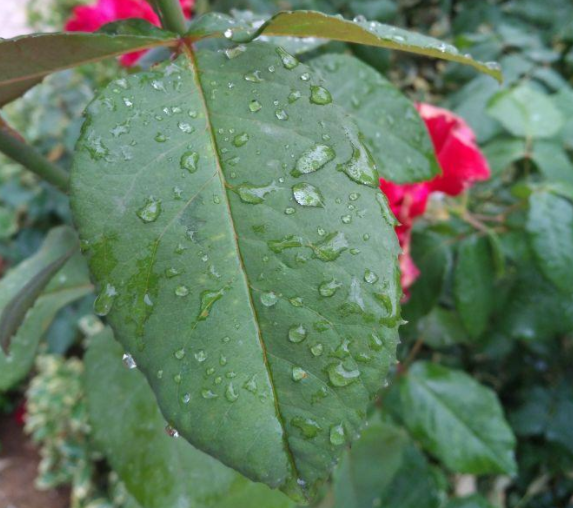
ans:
x=26 y=60
x=474 y=501
x=456 y=419
x=239 y=259
x=157 y=470
x=316 y=24
x=526 y=112
x=550 y=227
x=402 y=148
x=379 y=469
x=553 y=161
x=474 y=276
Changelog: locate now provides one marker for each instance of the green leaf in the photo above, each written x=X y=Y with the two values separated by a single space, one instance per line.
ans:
x=274 y=309
x=316 y=24
x=525 y=112
x=69 y=284
x=502 y=152
x=550 y=228
x=157 y=470
x=553 y=161
x=474 y=501
x=393 y=130
x=442 y=328
x=432 y=256
x=378 y=471
x=456 y=419
x=27 y=59
x=474 y=276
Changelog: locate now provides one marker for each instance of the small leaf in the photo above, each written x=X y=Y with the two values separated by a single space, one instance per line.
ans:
x=456 y=419
x=157 y=470
x=525 y=112
x=27 y=59
x=318 y=25
x=69 y=284
x=378 y=471
x=21 y=288
x=393 y=129
x=550 y=228
x=474 y=276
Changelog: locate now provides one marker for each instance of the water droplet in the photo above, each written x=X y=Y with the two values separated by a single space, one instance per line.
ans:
x=222 y=360
x=288 y=242
x=337 y=436
x=185 y=127
x=96 y=148
x=339 y=376
x=346 y=219
x=172 y=272
x=329 y=288
x=281 y=114
x=104 y=301
x=159 y=374
x=331 y=247
x=235 y=52
x=306 y=194
x=320 y=95
x=160 y=137
x=307 y=426
x=189 y=161
x=297 y=334
x=361 y=166
x=230 y=394
x=269 y=299
x=493 y=66
x=128 y=361
x=171 y=432
x=251 y=385
x=298 y=374
x=177 y=378
x=343 y=350
x=294 y=96
x=241 y=139
x=289 y=211
x=208 y=299
x=296 y=301
x=200 y=356
x=254 y=77
x=305 y=76
x=179 y=354
x=150 y=211
x=255 y=106
x=313 y=159
x=370 y=277
x=182 y=291
x=317 y=349
x=186 y=398
x=253 y=194
x=289 y=61
x=376 y=342
x=359 y=19
x=228 y=33
x=208 y=394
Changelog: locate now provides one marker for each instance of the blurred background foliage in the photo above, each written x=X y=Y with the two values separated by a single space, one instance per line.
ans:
x=487 y=353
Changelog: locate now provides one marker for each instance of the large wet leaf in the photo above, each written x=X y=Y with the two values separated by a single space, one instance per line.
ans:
x=392 y=128
x=70 y=283
x=27 y=59
x=245 y=255
x=157 y=470
x=456 y=419
x=323 y=26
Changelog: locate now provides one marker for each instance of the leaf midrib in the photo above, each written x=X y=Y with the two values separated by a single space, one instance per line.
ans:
x=188 y=50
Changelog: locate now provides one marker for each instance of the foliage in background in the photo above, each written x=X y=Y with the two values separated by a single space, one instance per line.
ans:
x=487 y=352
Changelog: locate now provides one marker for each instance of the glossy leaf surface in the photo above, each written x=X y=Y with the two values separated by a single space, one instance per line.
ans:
x=247 y=265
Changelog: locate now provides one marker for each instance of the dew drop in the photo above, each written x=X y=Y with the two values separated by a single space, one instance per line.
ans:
x=182 y=291
x=253 y=194
x=331 y=247
x=185 y=127
x=208 y=394
x=228 y=33
x=208 y=299
x=313 y=159
x=317 y=349
x=297 y=334
x=329 y=288
x=251 y=384
x=308 y=427
x=104 y=301
x=189 y=161
x=230 y=394
x=254 y=77
x=298 y=374
x=241 y=139
x=289 y=61
x=268 y=299
x=255 y=106
x=281 y=114
x=150 y=211
x=294 y=96
x=337 y=436
x=306 y=194
x=360 y=167
x=370 y=277
x=320 y=95
x=186 y=398
x=171 y=432
x=128 y=361
x=231 y=53
x=339 y=376
x=200 y=356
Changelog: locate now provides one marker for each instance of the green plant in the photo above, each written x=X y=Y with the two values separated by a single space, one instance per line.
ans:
x=257 y=288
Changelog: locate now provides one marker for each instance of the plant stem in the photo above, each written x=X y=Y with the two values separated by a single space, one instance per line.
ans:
x=171 y=15
x=32 y=160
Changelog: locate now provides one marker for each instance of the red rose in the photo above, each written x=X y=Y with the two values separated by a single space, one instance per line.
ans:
x=462 y=164
x=89 y=18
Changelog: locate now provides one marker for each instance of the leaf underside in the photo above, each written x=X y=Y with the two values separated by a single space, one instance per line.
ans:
x=233 y=223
